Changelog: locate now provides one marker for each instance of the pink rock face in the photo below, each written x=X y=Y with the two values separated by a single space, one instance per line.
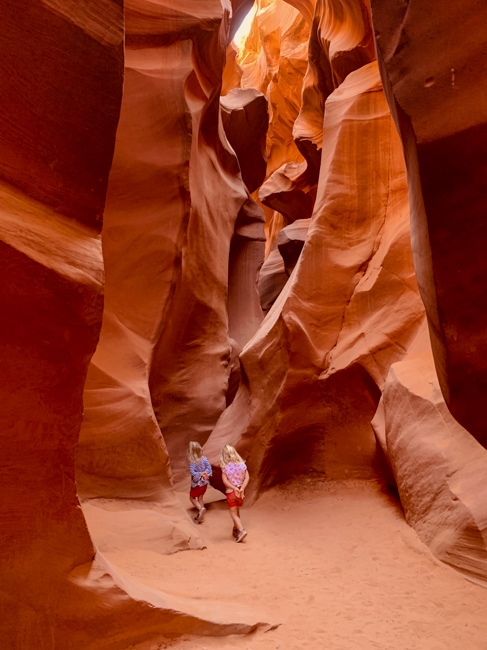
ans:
x=56 y=152
x=274 y=61
x=435 y=86
x=281 y=261
x=245 y=120
x=290 y=191
x=297 y=54
x=121 y=451
x=175 y=202
x=167 y=292
x=439 y=468
x=58 y=164
x=55 y=591
x=314 y=369
x=340 y=41
x=291 y=241
x=190 y=365
x=272 y=278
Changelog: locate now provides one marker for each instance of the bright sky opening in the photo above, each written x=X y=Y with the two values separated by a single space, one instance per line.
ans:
x=243 y=31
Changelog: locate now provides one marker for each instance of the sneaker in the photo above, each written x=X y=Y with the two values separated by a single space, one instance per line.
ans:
x=201 y=515
x=235 y=532
x=242 y=534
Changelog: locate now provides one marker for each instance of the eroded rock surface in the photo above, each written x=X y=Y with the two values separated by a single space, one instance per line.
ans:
x=182 y=245
x=439 y=468
x=435 y=85
x=245 y=120
x=54 y=173
x=179 y=226
x=281 y=261
x=61 y=103
x=313 y=371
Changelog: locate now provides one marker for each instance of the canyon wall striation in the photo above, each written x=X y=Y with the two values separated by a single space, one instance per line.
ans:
x=58 y=63
x=73 y=152
x=345 y=331
x=137 y=207
x=434 y=82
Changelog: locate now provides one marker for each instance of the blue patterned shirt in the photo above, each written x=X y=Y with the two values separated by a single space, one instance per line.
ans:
x=197 y=470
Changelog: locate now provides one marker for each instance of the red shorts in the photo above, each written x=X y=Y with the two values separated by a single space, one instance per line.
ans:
x=198 y=491
x=233 y=500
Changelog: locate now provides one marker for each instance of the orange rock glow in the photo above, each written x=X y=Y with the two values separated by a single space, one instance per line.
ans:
x=278 y=247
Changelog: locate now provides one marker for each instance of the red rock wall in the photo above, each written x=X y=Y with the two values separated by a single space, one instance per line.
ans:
x=190 y=369
x=439 y=469
x=313 y=372
x=60 y=103
x=434 y=461
x=175 y=202
x=435 y=86
x=182 y=243
x=58 y=62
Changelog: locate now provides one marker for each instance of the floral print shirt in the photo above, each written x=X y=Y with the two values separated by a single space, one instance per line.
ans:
x=235 y=473
x=197 y=469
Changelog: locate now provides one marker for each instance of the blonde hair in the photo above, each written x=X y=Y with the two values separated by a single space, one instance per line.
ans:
x=229 y=455
x=195 y=453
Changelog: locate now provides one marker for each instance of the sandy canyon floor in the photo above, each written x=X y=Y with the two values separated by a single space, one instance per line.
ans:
x=333 y=565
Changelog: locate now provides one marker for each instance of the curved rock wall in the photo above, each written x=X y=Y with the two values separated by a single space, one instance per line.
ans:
x=341 y=359
x=57 y=63
x=437 y=93
x=175 y=202
x=61 y=103
x=439 y=469
x=330 y=338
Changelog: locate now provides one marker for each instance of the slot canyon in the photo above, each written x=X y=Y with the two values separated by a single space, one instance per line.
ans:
x=272 y=239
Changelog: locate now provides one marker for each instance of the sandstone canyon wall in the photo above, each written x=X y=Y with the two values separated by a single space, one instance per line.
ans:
x=439 y=468
x=178 y=221
x=63 y=67
x=329 y=339
x=156 y=315
x=360 y=212
x=332 y=361
x=57 y=65
x=435 y=83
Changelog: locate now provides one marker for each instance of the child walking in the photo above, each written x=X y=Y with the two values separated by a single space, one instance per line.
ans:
x=235 y=478
x=200 y=470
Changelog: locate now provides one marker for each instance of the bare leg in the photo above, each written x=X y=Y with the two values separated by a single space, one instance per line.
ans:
x=235 y=515
x=202 y=509
x=195 y=503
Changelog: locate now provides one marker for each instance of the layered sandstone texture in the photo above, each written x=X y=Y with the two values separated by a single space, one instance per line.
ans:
x=274 y=61
x=297 y=53
x=436 y=88
x=440 y=470
x=324 y=353
x=182 y=242
x=313 y=373
x=61 y=100
x=54 y=173
x=338 y=381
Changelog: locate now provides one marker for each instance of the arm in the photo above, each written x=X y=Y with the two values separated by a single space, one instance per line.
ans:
x=196 y=476
x=208 y=471
x=241 y=490
x=246 y=479
x=226 y=481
